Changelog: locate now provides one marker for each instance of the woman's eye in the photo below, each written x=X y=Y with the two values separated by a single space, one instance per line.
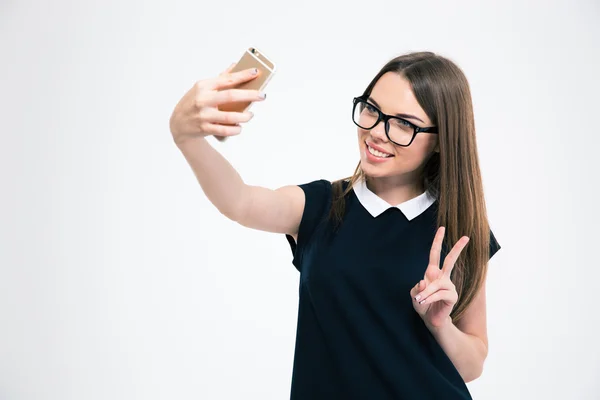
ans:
x=370 y=109
x=401 y=122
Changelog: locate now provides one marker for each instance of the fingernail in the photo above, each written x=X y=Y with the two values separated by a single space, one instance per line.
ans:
x=421 y=302
x=254 y=71
x=262 y=95
x=418 y=297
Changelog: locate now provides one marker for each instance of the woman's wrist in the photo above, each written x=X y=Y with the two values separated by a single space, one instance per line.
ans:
x=445 y=325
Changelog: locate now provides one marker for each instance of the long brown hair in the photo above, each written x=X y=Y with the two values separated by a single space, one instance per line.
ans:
x=452 y=176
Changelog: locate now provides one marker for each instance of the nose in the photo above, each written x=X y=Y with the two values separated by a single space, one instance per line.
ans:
x=378 y=131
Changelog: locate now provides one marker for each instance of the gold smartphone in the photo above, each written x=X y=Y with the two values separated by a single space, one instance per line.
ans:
x=252 y=58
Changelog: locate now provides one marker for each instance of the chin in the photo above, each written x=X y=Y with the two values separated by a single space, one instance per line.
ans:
x=373 y=170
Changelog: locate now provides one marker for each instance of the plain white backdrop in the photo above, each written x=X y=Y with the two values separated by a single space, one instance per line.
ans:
x=119 y=280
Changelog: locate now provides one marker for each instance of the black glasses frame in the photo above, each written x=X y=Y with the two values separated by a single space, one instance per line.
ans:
x=386 y=118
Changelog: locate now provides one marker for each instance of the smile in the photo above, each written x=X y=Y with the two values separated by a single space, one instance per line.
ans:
x=377 y=153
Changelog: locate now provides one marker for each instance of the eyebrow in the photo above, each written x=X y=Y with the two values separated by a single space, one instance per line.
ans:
x=407 y=116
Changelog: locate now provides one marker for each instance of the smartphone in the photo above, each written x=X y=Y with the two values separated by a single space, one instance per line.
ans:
x=252 y=58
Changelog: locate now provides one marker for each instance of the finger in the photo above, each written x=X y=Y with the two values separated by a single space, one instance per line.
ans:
x=213 y=115
x=232 y=79
x=436 y=247
x=448 y=296
x=432 y=273
x=232 y=96
x=222 y=130
x=417 y=288
x=431 y=288
x=453 y=255
x=439 y=284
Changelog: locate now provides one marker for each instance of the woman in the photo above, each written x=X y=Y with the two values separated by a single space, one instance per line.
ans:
x=392 y=300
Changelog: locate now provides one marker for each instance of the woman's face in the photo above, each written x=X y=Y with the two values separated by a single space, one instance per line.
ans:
x=393 y=95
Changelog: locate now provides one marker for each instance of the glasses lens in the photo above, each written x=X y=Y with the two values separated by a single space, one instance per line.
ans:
x=365 y=115
x=400 y=131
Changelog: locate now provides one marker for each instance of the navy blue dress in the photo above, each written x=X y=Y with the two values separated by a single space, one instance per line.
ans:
x=358 y=336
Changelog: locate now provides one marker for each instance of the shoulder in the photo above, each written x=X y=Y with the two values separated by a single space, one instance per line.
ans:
x=314 y=208
x=319 y=184
x=322 y=193
x=316 y=191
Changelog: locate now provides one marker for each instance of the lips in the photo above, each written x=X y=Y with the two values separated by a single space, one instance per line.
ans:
x=379 y=149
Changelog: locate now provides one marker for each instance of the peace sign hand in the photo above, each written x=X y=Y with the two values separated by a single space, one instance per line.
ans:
x=435 y=295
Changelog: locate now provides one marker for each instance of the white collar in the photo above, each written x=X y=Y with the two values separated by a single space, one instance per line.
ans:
x=375 y=205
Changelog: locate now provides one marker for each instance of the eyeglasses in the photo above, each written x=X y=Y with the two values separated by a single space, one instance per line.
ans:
x=398 y=130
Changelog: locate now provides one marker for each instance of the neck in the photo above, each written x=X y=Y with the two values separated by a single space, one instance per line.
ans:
x=395 y=190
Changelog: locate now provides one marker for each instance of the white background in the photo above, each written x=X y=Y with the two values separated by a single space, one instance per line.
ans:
x=119 y=280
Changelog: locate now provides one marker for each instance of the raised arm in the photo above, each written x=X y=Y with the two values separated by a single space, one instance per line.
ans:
x=197 y=116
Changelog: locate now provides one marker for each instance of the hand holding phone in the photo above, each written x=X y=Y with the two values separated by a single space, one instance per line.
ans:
x=217 y=106
x=252 y=58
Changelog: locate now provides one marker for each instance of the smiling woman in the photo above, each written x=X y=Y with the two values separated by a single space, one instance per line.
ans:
x=421 y=151
x=392 y=300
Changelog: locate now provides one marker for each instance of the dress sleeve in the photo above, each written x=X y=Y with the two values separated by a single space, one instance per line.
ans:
x=317 y=200
x=494 y=245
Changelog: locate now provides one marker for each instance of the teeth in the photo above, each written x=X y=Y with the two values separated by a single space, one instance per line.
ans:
x=377 y=153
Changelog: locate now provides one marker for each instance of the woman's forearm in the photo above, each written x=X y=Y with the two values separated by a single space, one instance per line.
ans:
x=219 y=180
x=467 y=352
